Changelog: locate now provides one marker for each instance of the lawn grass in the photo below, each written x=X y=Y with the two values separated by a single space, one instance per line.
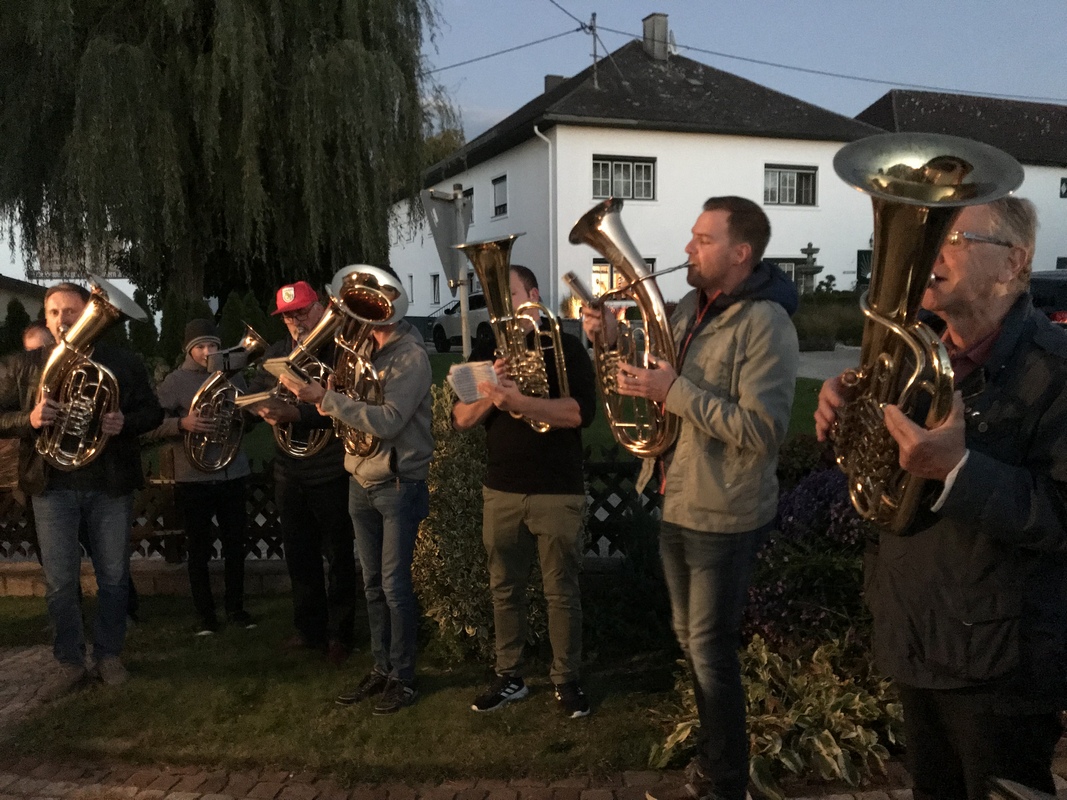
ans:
x=236 y=701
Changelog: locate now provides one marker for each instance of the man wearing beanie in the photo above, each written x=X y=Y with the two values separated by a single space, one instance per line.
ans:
x=201 y=495
x=312 y=498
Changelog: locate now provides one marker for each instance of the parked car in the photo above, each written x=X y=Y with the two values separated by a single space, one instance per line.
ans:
x=1049 y=288
x=447 y=326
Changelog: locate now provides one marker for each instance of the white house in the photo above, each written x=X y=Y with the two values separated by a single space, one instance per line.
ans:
x=665 y=132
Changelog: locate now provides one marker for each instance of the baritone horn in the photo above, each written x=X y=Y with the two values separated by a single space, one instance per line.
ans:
x=640 y=425
x=917 y=183
x=216 y=400
x=369 y=297
x=84 y=390
x=491 y=260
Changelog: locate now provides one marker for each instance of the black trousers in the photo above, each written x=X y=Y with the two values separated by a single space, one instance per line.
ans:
x=198 y=503
x=956 y=742
x=315 y=523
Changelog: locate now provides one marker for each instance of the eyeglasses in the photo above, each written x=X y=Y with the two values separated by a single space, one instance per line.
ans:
x=956 y=238
x=300 y=315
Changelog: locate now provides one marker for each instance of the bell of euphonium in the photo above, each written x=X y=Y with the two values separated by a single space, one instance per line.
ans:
x=214 y=450
x=305 y=357
x=369 y=297
x=83 y=389
x=918 y=183
x=491 y=260
x=641 y=426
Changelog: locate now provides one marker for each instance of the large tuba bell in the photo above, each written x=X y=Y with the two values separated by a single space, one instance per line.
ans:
x=215 y=400
x=641 y=426
x=526 y=364
x=917 y=183
x=370 y=297
x=83 y=389
x=304 y=357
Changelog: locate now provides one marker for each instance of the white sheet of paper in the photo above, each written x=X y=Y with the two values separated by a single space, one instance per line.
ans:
x=464 y=379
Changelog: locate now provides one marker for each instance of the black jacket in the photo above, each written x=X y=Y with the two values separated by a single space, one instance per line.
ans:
x=120 y=460
x=975 y=595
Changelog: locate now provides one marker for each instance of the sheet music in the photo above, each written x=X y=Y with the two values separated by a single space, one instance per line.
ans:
x=464 y=379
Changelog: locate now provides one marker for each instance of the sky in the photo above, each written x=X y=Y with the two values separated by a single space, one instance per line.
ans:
x=990 y=47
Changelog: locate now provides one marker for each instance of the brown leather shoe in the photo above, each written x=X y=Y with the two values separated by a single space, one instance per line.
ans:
x=298 y=642
x=336 y=653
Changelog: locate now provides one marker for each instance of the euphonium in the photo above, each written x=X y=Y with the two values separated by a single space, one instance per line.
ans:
x=369 y=297
x=305 y=357
x=83 y=389
x=215 y=400
x=640 y=425
x=491 y=259
x=917 y=183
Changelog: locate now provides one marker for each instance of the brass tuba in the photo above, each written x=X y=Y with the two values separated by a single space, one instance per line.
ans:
x=83 y=389
x=640 y=425
x=305 y=358
x=526 y=365
x=369 y=297
x=918 y=183
x=215 y=400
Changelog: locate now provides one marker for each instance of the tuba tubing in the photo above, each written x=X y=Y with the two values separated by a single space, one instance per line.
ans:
x=527 y=365
x=639 y=425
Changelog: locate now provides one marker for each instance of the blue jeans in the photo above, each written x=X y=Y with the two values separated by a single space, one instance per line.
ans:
x=385 y=519
x=58 y=514
x=707 y=576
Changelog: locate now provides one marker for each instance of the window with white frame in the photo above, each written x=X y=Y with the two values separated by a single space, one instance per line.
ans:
x=411 y=288
x=500 y=196
x=627 y=177
x=789 y=185
x=435 y=288
x=468 y=193
x=605 y=276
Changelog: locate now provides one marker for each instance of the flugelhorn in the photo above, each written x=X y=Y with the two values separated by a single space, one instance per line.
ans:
x=491 y=259
x=215 y=400
x=370 y=297
x=918 y=182
x=83 y=389
x=641 y=426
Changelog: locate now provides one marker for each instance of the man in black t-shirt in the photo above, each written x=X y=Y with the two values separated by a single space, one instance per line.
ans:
x=534 y=494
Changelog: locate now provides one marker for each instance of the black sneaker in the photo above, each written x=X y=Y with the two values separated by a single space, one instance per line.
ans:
x=242 y=619
x=505 y=689
x=572 y=700
x=207 y=627
x=374 y=683
x=396 y=696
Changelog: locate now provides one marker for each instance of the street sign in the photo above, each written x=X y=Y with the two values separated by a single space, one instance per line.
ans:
x=449 y=215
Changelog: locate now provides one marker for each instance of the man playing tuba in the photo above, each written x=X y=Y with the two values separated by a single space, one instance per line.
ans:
x=201 y=495
x=100 y=493
x=969 y=602
x=534 y=493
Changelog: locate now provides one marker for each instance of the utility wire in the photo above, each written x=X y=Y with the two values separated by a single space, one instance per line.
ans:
x=502 y=52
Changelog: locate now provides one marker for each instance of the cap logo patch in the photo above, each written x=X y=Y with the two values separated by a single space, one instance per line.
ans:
x=288 y=294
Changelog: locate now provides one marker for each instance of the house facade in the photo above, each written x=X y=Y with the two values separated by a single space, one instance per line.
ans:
x=663 y=133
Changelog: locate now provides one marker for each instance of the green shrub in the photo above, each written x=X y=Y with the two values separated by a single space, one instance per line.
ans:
x=799 y=455
x=820 y=714
x=449 y=569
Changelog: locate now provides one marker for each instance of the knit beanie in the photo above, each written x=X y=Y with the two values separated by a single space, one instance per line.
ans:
x=199 y=331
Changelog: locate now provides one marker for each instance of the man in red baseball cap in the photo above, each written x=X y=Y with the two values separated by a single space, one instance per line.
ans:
x=294 y=297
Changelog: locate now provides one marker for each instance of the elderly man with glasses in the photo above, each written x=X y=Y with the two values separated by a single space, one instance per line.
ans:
x=970 y=602
x=312 y=498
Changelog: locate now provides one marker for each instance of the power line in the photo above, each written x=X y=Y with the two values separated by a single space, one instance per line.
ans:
x=843 y=76
x=503 y=52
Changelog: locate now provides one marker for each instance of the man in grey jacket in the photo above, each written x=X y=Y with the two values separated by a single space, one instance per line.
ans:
x=733 y=391
x=388 y=499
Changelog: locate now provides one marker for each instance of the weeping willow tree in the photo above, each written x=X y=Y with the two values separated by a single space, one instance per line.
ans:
x=214 y=143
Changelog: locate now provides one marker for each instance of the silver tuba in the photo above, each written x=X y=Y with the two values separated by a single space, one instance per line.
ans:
x=215 y=400
x=640 y=425
x=491 y=259
x=918 y=182
x=83 y=389
x=370 y=297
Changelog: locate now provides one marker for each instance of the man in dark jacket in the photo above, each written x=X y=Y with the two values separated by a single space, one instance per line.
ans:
x=100 y=494
x=970 y=603
x=312 y=497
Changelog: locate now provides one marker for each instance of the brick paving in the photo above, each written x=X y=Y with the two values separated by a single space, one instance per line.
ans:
x=25 y=675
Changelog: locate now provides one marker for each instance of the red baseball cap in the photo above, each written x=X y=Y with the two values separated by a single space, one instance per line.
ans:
x=294 y=296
